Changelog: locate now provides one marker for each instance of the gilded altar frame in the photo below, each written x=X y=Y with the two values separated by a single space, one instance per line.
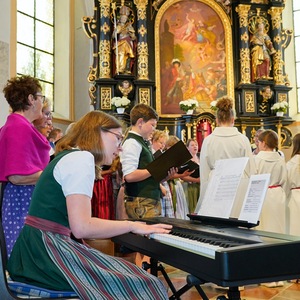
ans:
x=209 y=17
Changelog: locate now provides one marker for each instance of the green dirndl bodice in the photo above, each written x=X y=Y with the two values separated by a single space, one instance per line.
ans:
x=56 y=261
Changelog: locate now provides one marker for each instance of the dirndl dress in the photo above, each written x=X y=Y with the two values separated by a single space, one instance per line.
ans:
x=66 y=264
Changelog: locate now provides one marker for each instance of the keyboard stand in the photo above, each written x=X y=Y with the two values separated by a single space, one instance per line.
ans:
x=233 y=294
x=191 y=280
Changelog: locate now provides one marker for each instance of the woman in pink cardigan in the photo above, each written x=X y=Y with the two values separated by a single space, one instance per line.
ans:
x=24 y=153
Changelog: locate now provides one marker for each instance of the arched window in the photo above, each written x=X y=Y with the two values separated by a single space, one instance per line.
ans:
x=45 y=50
x=35 y=42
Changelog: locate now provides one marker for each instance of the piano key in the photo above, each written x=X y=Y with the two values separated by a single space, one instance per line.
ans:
x=187 y=244
x=205 y=238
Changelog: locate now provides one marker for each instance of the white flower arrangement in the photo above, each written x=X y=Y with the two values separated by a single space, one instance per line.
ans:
x=280 y=106
x=188 y=104
x=120 y=102
x=213 y=105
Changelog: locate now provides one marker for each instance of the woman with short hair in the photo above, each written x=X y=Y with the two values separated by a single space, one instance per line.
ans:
x=24 y=153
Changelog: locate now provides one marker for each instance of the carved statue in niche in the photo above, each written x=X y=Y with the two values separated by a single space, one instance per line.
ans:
x=124 y=40
x=264 y=103
x=125 y=87
x=261 y=51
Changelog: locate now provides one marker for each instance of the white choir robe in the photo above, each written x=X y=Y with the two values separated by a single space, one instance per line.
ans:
x=273 y=215
x=222 y=143
x=293 y=190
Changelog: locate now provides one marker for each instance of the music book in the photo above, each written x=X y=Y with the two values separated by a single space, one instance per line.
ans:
x=175 y=156
x=230 y=196
x=190 y=165
x=157 y=154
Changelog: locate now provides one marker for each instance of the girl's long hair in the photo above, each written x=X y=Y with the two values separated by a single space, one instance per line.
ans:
x=85 y=134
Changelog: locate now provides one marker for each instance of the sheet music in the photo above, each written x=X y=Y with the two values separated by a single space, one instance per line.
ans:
x=222 y=187
x=254 y=198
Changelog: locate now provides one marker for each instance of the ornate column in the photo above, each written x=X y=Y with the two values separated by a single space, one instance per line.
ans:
x=144 y=86
x=142 y=46
x=189 y=127
x=97 y=28
x=242 y=11
x=246 y=92
x=279 y=126
x=278 y=73
x=281 y=39
x=104 y=39
x=104 y=83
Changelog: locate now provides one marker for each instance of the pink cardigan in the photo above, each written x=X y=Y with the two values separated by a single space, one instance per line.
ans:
x=23 y=149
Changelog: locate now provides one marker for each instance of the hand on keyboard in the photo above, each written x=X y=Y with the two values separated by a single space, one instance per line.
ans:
x=144 y=229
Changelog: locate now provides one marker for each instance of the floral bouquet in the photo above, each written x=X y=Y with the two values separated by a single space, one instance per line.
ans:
x=189 y=104
x=280 y=107
x=120 y=102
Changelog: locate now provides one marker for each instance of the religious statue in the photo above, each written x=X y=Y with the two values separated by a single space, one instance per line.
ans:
x=264 y=104
x=125 y=88
x=261 y=51
x=124 y=41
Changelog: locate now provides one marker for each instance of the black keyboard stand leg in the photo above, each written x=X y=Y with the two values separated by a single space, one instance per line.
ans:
x=154 y=268
x=232 y=294
x=196 y=282
x=191 y=280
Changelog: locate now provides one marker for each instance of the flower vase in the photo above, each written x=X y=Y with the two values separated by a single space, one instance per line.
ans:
x=120 y=110
x=190 y=112
x=279 y=113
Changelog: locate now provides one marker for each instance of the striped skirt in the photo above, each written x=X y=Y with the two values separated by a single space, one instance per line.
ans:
x=89 y=272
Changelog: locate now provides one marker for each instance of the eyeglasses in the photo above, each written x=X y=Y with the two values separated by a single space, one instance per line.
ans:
x=48 y=114
x=42 y=97
x=120 y=137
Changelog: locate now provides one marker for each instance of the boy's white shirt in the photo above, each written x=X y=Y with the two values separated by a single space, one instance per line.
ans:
x=130 y=155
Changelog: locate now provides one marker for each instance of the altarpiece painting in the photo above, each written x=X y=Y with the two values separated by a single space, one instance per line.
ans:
x=193 y=54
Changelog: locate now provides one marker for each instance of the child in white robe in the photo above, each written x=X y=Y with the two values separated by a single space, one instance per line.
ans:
x=293 y=187
x=273 y=215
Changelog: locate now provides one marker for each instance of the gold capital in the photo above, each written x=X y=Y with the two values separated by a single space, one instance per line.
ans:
x=275 y=13
x=243 y=10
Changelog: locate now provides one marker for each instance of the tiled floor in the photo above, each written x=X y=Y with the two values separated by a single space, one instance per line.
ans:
x=290 y=291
